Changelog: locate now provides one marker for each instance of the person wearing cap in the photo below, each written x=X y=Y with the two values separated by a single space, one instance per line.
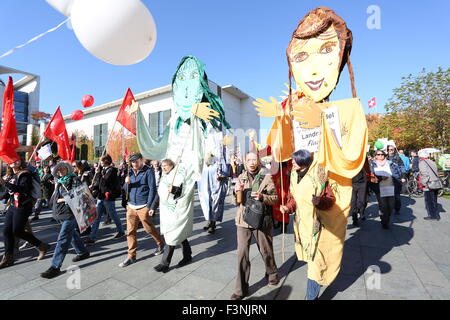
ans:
x=141 y=189
x=393 y=156
x=68 y=234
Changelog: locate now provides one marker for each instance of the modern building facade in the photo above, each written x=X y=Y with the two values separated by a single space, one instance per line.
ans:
x=26 y=97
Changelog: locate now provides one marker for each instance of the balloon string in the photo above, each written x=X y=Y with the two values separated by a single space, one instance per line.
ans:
x=34 y=39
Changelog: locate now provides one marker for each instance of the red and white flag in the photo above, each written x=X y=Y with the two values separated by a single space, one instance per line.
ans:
x=372 y=103
x=9 y=141
x=56 y=131
x=127 y=112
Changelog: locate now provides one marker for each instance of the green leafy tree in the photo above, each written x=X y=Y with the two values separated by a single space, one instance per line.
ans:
x=419 y=111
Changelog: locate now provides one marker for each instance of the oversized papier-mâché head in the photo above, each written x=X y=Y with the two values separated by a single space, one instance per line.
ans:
x=190 y=86
x=317 y=53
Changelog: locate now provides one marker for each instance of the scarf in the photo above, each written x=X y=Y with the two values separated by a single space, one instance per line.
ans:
x=381 y=163
x=64 y=179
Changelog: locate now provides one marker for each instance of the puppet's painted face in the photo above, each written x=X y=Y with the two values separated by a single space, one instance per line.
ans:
x=315 y=64
x=187 y=89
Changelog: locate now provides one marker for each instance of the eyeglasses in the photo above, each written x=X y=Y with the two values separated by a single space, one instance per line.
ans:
x=380 y=154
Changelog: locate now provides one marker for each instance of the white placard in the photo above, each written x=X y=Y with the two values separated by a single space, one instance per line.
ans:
x=309 y=139
x=45 y=151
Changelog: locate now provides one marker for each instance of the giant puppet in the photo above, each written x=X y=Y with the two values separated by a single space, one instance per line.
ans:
x=334 y=131
x=197 y=111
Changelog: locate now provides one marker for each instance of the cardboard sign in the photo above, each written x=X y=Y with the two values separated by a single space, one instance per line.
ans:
x=83 y=206
x=309 y=139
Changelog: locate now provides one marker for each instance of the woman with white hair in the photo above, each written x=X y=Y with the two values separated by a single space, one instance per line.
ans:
x=431 y=183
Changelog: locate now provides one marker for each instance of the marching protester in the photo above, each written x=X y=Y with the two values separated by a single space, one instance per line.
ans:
x=141 y=190
x=83 y=171
x=212 y=188
x=175 y=228
x=414 y=161
x=255 y=194
x=48 y=185
x=108 y=190
x=21 y=206
x=68 y=234
x=156 y=166
x=393 y=156
x=359 y=194
x=301 y=161
x=386 y=174
x=431 y=183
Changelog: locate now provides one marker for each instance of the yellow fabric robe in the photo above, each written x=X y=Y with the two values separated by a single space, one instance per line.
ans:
x=323 y=250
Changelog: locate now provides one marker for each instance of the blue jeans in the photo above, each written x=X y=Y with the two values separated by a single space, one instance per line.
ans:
x=312 y=290
x=67 y=235
x=102 y=207
x=431 y=204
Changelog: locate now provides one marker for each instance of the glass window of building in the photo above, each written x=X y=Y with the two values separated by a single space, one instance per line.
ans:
x=100 y=137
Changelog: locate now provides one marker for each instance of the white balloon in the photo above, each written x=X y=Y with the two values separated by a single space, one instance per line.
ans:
x=63 y=6
x=119 y=32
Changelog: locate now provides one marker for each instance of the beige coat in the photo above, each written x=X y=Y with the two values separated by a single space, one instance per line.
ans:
x=267 y=188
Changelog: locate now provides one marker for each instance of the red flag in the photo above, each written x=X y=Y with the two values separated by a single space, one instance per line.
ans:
x=372 y=103
x=9 y=141
x=56 y=131
x=126 y=115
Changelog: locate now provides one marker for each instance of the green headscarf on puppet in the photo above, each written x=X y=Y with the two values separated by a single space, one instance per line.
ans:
x=190 y=86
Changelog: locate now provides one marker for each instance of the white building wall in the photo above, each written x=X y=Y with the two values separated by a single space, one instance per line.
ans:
x=239 y=112
x=33 y=89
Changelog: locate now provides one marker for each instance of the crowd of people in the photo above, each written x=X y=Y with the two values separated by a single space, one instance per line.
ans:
x=147 y=187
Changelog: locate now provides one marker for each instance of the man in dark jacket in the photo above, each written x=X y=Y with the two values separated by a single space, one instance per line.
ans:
x=359 y=194
x=108 y=191
x=141 y=190
x=398 y=184
x=66 y=181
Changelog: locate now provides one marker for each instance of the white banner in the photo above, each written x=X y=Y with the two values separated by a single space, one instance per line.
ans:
x=309 y=139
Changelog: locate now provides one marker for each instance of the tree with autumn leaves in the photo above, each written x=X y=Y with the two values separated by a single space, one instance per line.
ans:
x=418 y=113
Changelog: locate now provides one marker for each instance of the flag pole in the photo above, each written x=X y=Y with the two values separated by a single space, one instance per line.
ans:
x=34 y=151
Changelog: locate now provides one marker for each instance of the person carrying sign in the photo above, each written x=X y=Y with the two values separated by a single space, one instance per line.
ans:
x=68 y=234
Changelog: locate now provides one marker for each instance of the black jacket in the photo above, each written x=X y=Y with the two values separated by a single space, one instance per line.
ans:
x=109 y=182
x=22 y=184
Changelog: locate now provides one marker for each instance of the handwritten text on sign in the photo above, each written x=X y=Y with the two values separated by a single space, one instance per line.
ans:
x=309 y=139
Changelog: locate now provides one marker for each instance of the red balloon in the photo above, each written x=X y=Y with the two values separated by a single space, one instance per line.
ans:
x=77 y=115
x=87 y=101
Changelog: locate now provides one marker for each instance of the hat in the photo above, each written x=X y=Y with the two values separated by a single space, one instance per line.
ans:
x=59 y=165
x=136 y=156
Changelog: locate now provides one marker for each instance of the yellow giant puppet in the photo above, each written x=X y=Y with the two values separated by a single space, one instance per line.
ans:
x=335 y=132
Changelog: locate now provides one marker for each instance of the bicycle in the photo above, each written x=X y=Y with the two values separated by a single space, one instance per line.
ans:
x=412 y=186
x=445 y=183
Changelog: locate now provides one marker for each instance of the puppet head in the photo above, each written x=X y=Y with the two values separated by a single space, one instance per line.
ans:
x=187 y=90
x=190 y=86
x=317 y=53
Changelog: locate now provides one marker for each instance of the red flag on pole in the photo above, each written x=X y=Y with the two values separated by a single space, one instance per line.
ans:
x=372 y=103
x=9 y=141
x=56 y=131
x=126 y=115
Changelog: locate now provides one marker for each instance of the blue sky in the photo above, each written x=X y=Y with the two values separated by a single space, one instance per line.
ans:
x=241 y=42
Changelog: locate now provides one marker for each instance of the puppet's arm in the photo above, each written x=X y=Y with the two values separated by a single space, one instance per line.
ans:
x=268 y=109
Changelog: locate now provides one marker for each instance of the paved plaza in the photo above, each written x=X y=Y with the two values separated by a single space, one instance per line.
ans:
x=413 y=258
